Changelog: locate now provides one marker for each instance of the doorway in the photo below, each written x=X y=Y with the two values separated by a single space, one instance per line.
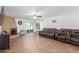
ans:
x=30 y=27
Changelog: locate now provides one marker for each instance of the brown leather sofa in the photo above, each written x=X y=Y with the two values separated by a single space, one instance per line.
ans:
x=4 y=41
x=48 y=32
x=65 y=35
x=68 y=35
x=75 y=37
x=51 y=33
x=60 y=35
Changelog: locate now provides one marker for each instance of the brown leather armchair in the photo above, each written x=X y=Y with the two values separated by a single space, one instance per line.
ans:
x=48 y=32
x=44 y=32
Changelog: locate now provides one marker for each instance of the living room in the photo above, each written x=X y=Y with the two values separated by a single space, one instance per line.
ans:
x=39 y=28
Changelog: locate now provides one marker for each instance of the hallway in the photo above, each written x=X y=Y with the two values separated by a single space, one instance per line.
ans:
x=32 y=43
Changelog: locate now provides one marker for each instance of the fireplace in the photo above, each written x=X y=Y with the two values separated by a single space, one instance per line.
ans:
x=13 y=31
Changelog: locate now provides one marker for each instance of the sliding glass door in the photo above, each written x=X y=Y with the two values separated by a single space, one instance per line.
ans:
x=29 y=27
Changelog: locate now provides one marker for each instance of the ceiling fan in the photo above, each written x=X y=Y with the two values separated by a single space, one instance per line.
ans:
x=36 y=14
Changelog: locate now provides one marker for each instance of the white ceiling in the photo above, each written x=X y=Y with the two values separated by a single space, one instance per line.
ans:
x=26 y=12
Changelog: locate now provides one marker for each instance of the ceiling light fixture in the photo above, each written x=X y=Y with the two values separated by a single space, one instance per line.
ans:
x=34 y=17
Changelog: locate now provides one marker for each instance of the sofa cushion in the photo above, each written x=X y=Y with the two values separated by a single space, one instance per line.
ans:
x=75 y=39
x=50 y=34
x=62 y=37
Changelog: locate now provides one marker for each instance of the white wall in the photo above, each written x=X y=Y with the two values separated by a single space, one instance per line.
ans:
x=20 y=27
x=63 y=21
x=24 y=24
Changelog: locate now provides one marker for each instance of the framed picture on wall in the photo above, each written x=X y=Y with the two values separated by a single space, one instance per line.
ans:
x=37 y=25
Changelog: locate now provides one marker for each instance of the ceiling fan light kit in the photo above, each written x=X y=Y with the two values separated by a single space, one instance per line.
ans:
x=34 y=17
